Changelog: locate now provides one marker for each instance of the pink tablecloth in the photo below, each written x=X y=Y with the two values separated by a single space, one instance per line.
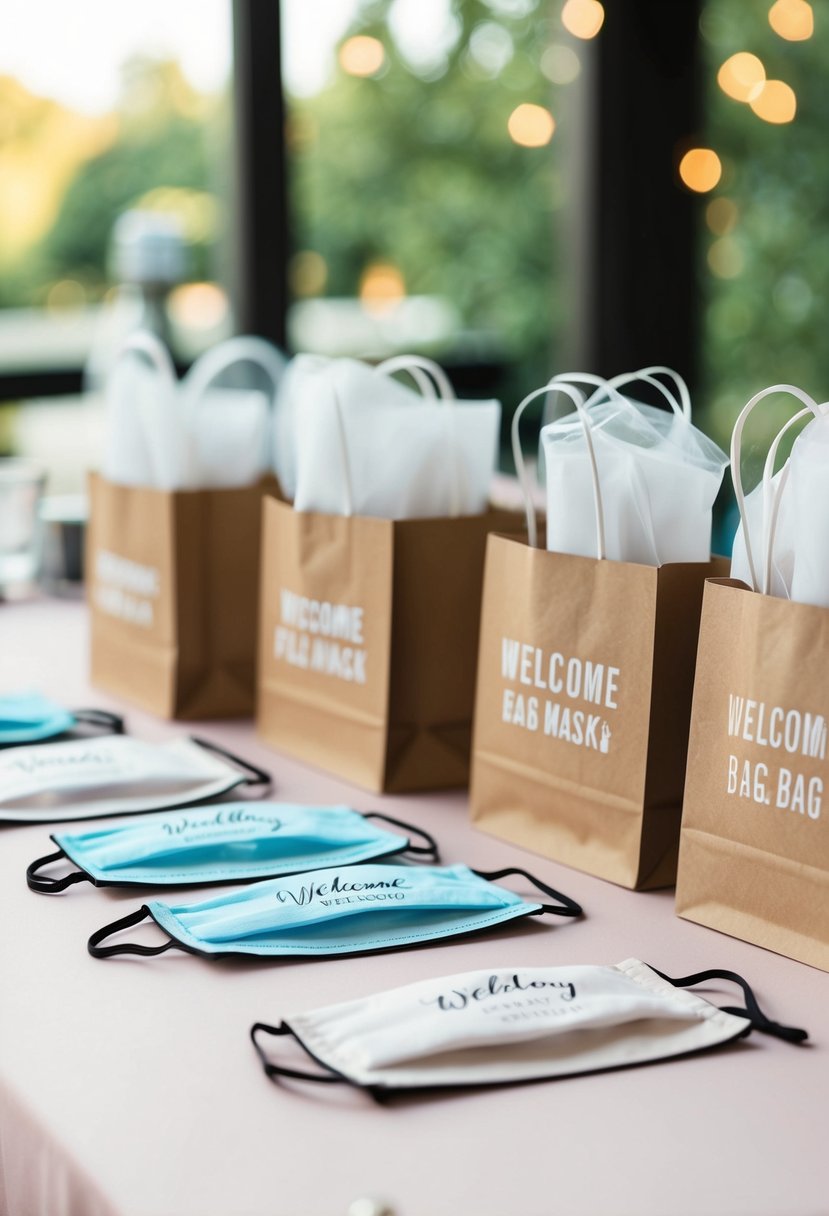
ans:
x=129 y=1086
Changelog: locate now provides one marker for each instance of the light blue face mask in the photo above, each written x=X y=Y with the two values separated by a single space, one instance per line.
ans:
x=348 y=910
x=28 y=717
x=234 y=842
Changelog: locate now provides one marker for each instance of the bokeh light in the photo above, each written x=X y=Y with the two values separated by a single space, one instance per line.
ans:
x=725 y=258
x=721 y=215
x=382 y=287
x=308 y=273
x=776 y=102
x=792 y=20
x=560 y=63
x=700 y=169
x=742 y=76
x=582 y=18
x=362 y=55
x=531 y=126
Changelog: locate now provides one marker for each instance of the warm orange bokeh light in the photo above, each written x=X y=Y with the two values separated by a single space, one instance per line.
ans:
x=382 y=287
x=700 y=169
x=741 y=76
x=361 y=55
x=776 y=102
x=792 y=19
x=199 y=305
x=531 y=126
x=582 y=18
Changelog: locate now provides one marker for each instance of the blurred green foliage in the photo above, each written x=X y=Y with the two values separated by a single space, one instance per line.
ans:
x=414 y=167
x=763 y=319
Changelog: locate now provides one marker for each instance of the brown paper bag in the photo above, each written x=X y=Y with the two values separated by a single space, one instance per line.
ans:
x=585 y=674
x=369 y=634
x=172 y=583
x=754 y=856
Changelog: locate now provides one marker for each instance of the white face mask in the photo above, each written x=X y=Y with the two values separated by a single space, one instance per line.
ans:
x=515 y=1024
x=86 y=778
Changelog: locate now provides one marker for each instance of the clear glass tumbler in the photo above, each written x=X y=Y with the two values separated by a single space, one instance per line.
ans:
x=21 y=488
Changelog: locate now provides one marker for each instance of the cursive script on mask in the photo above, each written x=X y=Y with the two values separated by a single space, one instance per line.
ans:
x=40 y=761
x=460 y=998
x=313 y=891
x=222 y=818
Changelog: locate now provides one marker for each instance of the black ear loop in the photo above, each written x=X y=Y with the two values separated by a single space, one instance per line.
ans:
x=112 y=724
x=257 y=776
x=565 y=905
x=428 y=850
x=297 y=1074
x=759 y=1020
x=126 y=922
x=47 y=885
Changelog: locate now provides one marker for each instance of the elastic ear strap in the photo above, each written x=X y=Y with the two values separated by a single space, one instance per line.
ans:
x=430 y=848
x=279 y=1070
x=752 y=1011
x=565 y=906
x=126 y=922
x=45 y=885
x=258 y=776
x=736 y=450
x=100 y=717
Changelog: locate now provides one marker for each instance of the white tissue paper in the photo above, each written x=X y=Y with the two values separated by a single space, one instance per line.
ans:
x=366 y=444
x=786 y=516
x=198 y=433
x=658 y=476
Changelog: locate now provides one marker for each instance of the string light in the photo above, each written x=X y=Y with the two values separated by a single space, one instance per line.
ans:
x=776 y=102
x=362 y=55
x=582 y=18
x=382 y=287
x=531 y=126
x=700 y=169
x=742 y=76
x=792 y=20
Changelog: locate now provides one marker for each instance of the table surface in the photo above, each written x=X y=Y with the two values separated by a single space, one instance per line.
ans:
x=130 y=1087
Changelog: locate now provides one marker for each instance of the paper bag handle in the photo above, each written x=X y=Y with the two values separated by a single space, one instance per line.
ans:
x=426 y=374
x=243 y=349
x=143 y=342
x=681 y=406
x=556 y=386
x=769 y=517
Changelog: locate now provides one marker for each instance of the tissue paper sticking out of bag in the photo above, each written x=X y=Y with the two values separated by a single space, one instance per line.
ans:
x=658 y=476
x=782 y=543
x=366 y=444
x=208 y=431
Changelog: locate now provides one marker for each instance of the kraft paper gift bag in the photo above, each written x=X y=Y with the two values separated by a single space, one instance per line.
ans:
x=369 y=621
x=369 y=635
x=173 y=541
x=585 y=673
x=172 y=583
x=754 y=854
